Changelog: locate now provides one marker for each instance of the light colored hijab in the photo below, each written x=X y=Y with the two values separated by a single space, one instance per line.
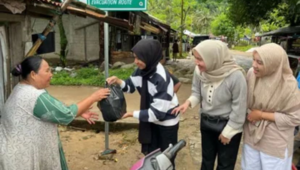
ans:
x=277 y=91
x=219 y=63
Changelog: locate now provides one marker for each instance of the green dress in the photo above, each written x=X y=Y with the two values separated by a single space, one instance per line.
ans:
x=49 y=109
x=28 y=130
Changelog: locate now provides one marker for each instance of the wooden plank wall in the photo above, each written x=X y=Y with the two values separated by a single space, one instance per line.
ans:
x=19 y=33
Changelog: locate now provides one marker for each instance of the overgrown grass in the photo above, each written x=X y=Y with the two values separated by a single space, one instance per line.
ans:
x=87 y=76
x=243 y=48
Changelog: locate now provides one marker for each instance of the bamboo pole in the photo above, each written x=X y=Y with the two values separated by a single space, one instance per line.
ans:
x=48 y=29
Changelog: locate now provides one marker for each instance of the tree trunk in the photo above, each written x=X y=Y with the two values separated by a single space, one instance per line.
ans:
x=63 y=42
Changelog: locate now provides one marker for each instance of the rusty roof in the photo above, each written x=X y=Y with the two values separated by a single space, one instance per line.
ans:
x=55 y=3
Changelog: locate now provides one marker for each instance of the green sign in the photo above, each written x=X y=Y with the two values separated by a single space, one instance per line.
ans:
x=119 y=5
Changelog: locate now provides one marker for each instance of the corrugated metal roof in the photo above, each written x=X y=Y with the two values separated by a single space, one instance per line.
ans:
x=49 y=2
x=283 y=31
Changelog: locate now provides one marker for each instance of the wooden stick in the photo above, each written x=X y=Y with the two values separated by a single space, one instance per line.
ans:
x=48 y=29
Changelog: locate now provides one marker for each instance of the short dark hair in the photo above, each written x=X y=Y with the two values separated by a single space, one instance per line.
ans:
x=26 y=66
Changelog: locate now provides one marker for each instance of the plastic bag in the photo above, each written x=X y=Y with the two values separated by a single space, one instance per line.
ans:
x=114 y=106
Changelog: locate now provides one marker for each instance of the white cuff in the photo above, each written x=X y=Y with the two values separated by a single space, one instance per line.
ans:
x=123 y=84
x=194 y=101
x=136 y=114
x=228 y=132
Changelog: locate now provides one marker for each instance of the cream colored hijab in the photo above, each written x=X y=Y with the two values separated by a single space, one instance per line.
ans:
x=219 y=63
x=277 y=91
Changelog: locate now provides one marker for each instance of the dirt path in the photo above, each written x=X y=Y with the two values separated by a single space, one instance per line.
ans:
x=82 y=148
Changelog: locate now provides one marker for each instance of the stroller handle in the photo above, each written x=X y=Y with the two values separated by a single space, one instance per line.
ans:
x=170 y=153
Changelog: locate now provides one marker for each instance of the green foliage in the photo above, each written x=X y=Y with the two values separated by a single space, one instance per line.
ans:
x=252 y=12
x=197 y=14
x=63 y=42
x=87 y=76
x=242 y=48
x=245 y=12
x=169 y=11
x=223 y=26
x=243 y=43
x=276 y=19
x=202 y=20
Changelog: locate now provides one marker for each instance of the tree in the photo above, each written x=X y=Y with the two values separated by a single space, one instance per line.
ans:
x=175 y=12
x=275 y=20
x=169 y=11
x=63 y=42
x=202 y=20
x=251 y=12
x=222 y=25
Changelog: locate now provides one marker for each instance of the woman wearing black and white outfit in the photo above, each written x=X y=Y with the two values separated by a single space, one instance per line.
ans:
x=220 y=87
x=158 y=127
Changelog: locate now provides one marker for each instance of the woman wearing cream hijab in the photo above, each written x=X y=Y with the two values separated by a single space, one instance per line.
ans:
x=219 y=85
x=273 y=111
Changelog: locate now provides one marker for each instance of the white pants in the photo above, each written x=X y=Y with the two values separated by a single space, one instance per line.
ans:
x=256 y=160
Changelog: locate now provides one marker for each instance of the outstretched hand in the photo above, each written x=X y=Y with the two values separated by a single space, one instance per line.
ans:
x=90 y=116
x=113 y=80
x=126 y=115
x=181 y=109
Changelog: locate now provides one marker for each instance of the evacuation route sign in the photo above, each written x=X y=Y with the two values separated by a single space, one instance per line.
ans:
x=118 y=5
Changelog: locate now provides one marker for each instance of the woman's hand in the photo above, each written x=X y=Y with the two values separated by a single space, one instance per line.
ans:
x=114 y=80
x=224 y=140
x=182 y=108
x=126 y=115
x=90 y=116
x=103 y=93
x=255 y=115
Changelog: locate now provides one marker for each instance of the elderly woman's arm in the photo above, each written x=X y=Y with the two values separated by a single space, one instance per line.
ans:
x=49 y=109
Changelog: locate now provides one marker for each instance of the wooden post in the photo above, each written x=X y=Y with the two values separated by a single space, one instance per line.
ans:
x=19 y=33
x=85 y=44
x=48 y=29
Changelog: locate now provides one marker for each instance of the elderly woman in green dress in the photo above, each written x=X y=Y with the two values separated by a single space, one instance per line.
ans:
x=28 y=130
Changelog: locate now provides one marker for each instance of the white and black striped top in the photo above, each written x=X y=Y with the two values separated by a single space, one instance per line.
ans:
x=162 y=97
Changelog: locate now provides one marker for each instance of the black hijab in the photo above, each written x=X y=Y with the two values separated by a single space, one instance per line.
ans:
x=150 y=52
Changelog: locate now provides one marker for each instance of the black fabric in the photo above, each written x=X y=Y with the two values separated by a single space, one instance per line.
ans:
x=150 y=52
x=212 y=147
x=175 y=79
x=114 y=106
x=213 y=123
x=175 y=48
x=298 y=165
x=162 y=136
